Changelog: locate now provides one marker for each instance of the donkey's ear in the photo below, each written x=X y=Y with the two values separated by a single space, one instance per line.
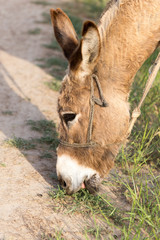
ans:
x=64 y=32
x=91 y=45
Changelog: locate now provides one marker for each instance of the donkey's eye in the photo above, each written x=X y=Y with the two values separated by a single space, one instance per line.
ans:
x=68 y=117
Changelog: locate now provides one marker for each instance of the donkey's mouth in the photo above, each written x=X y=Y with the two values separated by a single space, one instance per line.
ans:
x=92 y=184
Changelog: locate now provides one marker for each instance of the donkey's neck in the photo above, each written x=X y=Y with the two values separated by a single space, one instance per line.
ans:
x=130 y=32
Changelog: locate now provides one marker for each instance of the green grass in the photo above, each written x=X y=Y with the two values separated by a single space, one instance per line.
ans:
x=2 y=164
x=94 y=8
x=48 y=130
x=53 y=45
x=144 y=217
x=43 y=3
x=85 y=203
x=46 y=155
x=46 y=18
x=138 y=164
x=20 y=143
x=35 y=31
x=56 y=67
x=55 y=85
x=42 y=125
x=55 y=61
x=9 y=113
x=49 y=137
x=56 y=236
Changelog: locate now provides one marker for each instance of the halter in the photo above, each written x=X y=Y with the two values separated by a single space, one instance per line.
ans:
x=93 y=100
x=102 y=103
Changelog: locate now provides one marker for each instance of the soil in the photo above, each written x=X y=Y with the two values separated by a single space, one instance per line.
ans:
x=26 y=210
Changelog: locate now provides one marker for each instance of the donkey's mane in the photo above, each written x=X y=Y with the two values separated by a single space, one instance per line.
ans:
x=109 y=14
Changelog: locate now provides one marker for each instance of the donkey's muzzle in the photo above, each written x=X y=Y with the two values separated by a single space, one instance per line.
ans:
x=93 y=184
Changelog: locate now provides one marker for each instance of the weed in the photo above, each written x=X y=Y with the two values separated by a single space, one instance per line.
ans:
x=2 y=164
x=144 y=149
x=46 y=18
x=53 y=45
x=139 y=161
x=55 y=61
x=48 y=130
x=41 y=125
x=10 y=113
x=46 y=155
x=20 y=143
x=55 y=85
x=56 y=236
x=34 y=31
x=86 y=203
x=57 y=67
x=93 y=8
x=43 y=3
x=144 y=216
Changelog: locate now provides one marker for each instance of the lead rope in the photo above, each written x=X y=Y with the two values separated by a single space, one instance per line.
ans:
x=137 y=111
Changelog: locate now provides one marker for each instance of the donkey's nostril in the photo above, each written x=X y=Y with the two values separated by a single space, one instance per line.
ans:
x=64 y=184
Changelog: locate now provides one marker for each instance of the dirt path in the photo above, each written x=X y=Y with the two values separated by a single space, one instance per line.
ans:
x=25 y=208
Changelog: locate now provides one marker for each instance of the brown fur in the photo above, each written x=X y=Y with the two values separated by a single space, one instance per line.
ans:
x=128 y=32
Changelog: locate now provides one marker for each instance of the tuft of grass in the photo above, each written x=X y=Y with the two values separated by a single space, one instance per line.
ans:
x=62 y=63
x=48 y=130
x=94 y=8
x=53 y=45
x=2 y=164
x=49 y=137
x=46 y=155
x=144 y=217
x=56 y=236
x=10 y=113
x=20 y=143
x=46 y=18
x=41 y=125
x=35 y=31
x=43 y=3
x=144 y=149
x=139 y=162
x=85 y=203
x=55 y=85
x=56 y=67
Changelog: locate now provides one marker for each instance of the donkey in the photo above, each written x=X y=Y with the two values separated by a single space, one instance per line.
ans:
x=93 y=103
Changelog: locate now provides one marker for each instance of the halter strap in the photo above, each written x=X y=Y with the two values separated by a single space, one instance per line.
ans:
x=93 y=100
x=102 y=103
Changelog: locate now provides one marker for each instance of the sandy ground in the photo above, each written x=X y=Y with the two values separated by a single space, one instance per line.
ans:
x=26 y=210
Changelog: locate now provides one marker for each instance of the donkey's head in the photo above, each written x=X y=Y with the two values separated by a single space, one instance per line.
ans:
x=77 y=166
